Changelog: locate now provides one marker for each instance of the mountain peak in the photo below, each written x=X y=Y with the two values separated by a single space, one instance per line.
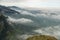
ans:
x=7 y=10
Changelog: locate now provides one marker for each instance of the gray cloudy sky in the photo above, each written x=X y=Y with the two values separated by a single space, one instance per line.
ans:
x=31 y=3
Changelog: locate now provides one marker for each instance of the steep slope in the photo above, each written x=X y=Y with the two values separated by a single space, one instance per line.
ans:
x=5 y=28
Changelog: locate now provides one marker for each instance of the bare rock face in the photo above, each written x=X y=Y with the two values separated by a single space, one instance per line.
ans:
x=42 y=37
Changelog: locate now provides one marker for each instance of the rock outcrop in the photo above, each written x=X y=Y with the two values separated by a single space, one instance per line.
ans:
x=42 y=37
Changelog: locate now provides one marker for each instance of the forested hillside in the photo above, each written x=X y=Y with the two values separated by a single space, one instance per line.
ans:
x=6 y=30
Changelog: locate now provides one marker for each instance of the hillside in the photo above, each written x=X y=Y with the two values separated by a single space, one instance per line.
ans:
x=6 y=30
x=42 y=37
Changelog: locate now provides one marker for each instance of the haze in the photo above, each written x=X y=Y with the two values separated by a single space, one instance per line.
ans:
x=32 y=3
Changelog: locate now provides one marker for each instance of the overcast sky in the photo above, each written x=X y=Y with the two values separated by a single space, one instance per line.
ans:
x=32 y=3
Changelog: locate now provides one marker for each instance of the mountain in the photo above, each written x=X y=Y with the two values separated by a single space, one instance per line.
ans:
x=7 y=11
x=15 y=7
x=23 y=9
x=38 y=16
x=28 y=22
x=38 y=21
x=6 y=29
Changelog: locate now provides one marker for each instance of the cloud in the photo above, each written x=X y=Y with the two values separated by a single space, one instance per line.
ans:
x=44 y=14
x=21 y=20
x=27 y=13
x=35 y=15
x=49 y=15
x=56 y=16
x=11 y=0
x=54 y=31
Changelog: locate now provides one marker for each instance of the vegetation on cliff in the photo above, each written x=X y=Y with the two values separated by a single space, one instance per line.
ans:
x=42 y=37
x=6 y=30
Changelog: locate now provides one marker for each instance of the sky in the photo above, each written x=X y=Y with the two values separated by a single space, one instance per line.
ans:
x=32 y=3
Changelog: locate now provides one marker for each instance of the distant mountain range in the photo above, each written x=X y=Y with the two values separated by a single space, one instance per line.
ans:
x=7 y=10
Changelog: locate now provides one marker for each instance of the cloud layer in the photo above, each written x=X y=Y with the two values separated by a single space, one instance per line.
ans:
x=54 y=31
x=44 y=22
x=21 y=20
